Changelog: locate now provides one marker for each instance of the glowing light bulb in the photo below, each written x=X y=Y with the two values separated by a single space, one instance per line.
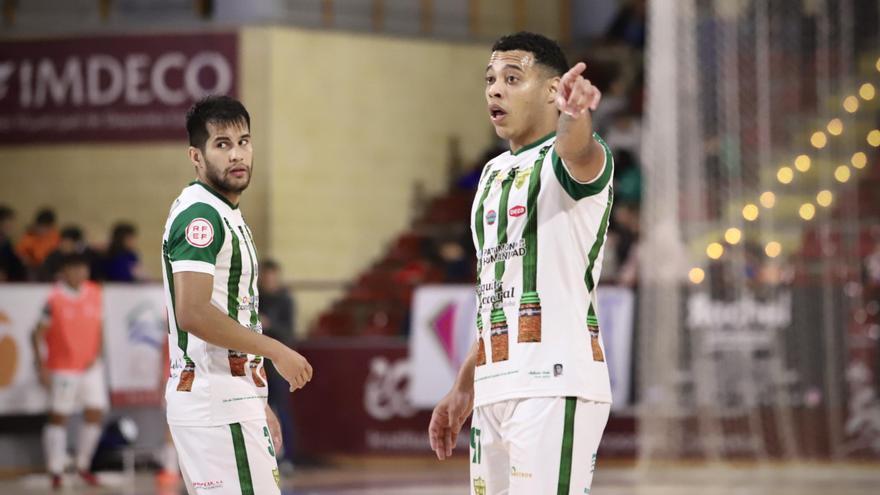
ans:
x=714 y=250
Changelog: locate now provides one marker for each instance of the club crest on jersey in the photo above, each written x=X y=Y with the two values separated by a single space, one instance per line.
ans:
x=479 y=486
x=199 y=233
x=491 y=217
x=521 y=177
x=517 y=211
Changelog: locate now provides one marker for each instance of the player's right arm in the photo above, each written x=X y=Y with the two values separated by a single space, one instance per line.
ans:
x=453 y=409
x=195 y=314
x=194 y=240
x=39 y=335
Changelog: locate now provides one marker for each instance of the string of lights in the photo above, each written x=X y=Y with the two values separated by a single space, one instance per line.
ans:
x=786 y=174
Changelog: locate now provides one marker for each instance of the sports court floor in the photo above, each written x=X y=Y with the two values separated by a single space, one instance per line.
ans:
x=420 y=478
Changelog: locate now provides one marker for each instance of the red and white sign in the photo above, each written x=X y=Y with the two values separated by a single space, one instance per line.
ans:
x=113 y=88
x=199 y=233
x=517 y=211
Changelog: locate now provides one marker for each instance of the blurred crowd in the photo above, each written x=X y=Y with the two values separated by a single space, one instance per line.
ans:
x=36 y=256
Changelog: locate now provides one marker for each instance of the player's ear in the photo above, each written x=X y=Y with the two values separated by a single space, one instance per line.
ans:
x=195 y=156
x=553 y=89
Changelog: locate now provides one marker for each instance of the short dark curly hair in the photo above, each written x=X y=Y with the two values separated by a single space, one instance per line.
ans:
x=217 y=110
x=546 y=51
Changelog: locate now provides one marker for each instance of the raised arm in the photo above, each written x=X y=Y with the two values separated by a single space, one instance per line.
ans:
x=581 y=153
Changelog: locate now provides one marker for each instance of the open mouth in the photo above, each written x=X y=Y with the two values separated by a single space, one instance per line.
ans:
x=496 y=113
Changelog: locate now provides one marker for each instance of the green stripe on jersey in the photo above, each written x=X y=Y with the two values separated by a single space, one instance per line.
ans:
x=592 y=319
x=597 y=245
x=564 y=486
x=478 y=217
x=234 y=275
x=578 y=190
x=241 y=460
x=481 y=239
x=530 y=232
x=182 y=336
x=500 y=265
x=254 y=319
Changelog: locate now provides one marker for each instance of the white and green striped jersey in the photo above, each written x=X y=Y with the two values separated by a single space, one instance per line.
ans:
x=539 y=235
x=209 y=385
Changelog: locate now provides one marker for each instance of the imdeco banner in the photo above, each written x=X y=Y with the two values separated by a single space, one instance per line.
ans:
x=110 y=88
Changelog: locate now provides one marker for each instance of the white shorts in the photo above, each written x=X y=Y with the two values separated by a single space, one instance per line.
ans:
x=536 y=446
x=231 y=459
x=74 y=390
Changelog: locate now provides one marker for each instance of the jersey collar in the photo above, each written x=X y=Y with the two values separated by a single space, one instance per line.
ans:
x=533 y=144
x=215 y=193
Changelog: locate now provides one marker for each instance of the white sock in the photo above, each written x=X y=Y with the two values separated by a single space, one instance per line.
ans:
x=55 y=447
x=89 y=434
x=169 y=458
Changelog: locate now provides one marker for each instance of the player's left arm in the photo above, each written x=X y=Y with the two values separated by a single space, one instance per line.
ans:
x=576 y=98
x=274 y=429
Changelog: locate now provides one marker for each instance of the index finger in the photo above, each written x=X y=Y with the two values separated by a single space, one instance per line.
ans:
x=577 y=70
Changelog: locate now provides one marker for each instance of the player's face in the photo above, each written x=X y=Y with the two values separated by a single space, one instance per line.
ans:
x=228 y=157
x=518 y=92
x=75 y=275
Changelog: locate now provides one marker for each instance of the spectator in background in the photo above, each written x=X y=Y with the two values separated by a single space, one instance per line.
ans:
x=11 y=267
x=277 y=315
x=627 y=178
x=72 y=370
x=41 y=239
x=121 y=262
x=72 y=242
x=625 y=134
x=630 y=25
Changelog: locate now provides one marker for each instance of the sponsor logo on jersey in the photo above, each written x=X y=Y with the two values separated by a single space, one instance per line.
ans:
x=207 y=485
x=277 y=475
x=517 y=211
x=199 y=233
x=519 y=474
x=246 y=303
x=491 y=217
x=479 y=486
x=503 y=252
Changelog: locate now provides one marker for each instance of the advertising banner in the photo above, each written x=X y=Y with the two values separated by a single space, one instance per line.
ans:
x=135 y=337
x=358 y=401
x=20 y=309
x=110 y=88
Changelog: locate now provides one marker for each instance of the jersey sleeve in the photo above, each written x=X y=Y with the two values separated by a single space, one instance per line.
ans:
x=580 y=190
x=195 y=239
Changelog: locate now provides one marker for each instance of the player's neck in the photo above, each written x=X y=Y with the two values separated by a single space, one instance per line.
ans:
x=232 y=197
x=533 y=136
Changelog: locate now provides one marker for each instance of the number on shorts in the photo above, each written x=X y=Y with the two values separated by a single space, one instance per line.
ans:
x=269 y=439
x=476 y=446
